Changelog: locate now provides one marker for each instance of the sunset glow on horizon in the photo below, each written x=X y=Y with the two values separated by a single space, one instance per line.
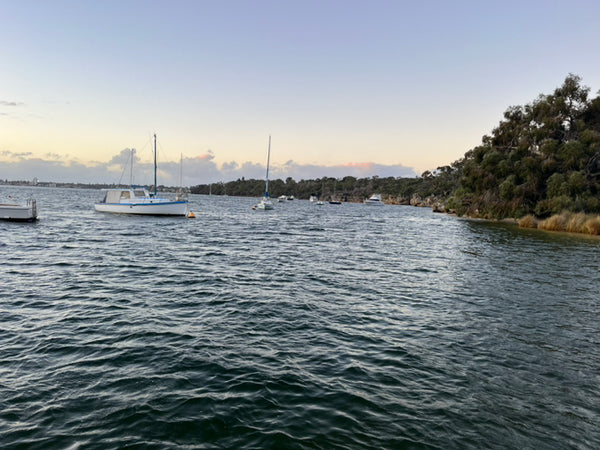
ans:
x=385 y=88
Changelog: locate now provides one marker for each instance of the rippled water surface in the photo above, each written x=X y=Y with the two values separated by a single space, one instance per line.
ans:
x=304 y=327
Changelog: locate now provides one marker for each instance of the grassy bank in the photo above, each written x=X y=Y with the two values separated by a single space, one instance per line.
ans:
x=566 y=221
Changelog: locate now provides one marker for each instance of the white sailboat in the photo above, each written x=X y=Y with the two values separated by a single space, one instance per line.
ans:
x=138 y=200
x=266 y=203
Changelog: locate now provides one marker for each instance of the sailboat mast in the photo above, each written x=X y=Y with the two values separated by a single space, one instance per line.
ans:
x=131 y=168
x=268 y=162
x=155 y=187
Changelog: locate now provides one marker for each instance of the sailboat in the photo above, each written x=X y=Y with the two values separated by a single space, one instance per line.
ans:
x=181 y=193
x=139 y=200
x=266 y=203
x=335 y=200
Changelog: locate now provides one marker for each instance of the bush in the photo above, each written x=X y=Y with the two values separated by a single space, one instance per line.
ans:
x=553 y=205
x=575 y=223
x=528 y=222
x=592 y=225
x=554 y=223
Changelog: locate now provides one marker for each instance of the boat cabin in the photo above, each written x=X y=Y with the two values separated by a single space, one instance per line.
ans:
x=137 y=195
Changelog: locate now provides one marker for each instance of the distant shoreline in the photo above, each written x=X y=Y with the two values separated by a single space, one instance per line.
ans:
x=566 y=222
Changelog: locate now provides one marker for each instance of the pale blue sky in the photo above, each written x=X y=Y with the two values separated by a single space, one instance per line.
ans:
x=344 y=87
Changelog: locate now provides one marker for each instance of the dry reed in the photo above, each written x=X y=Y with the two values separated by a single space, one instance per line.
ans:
x=592 y=225
x=528 y=222
x=576 y=222
x=554 y=223
x=566 y=221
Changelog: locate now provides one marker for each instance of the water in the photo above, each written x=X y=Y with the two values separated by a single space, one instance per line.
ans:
x=304 y=327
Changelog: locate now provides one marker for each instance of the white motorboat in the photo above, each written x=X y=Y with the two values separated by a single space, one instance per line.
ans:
x=266 y=203
x=19 y=213
x=374 y=200
x=138 y=200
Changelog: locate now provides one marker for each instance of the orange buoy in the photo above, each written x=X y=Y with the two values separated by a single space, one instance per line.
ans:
x=191 y=215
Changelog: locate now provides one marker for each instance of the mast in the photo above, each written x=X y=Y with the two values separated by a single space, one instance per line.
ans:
x=268 y=162
x=155 y=187
x=131 y=168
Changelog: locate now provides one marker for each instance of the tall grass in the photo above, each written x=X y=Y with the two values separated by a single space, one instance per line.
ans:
x=592 y=226
x=528 y=222
x=566 y=221
x=554 y=223
x=576 y=222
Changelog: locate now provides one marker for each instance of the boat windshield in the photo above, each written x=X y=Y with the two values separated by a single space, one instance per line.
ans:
x=139 y=193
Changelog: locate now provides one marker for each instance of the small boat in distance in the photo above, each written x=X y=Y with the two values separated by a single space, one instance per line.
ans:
x=315 y=200
x=138 y=200
x=19 y=213
x=374 y=200
x=334 y=200
x=266 y=203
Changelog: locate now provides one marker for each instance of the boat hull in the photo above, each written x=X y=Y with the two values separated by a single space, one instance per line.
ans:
x=176 y=208
x=18 y=213
x=265 y=205
x=374 y=200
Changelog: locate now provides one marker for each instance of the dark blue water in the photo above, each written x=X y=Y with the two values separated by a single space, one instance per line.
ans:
x=303 y=327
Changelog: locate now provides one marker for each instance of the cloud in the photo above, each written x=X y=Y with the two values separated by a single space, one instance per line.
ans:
x=5 y=103
x=12 y=155
x=190 y=172
x=53 y=156
x=359 y=170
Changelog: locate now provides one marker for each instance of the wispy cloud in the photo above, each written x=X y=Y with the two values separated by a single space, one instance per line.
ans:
x=7 y=154
x=191 y=171
x=7 y=103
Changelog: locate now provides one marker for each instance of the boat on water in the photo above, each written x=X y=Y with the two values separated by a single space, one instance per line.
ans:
x=282 y=198
x=334 y=200
x=19 y=213
x=266 y=203
x=139 y=200
x=374 y=200
x=315 y=200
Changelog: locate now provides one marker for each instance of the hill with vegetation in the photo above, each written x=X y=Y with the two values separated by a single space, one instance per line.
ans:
x=543 y=158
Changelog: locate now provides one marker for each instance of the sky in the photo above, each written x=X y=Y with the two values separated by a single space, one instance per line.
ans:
x=362 y=88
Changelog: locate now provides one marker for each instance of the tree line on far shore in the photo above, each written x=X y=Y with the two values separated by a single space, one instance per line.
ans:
x=543 y=158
